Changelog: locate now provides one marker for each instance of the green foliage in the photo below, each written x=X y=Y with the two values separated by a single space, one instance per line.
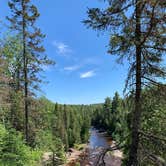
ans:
x=77 y=164
x=13 y=151
x=112 y=118
x=153 y=126
x=79 y=146
x=71 y=123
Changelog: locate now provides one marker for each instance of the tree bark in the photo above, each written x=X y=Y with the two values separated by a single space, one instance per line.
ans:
x=18 y=75
x=53 y=158
x=25 y=74
x=137 y=111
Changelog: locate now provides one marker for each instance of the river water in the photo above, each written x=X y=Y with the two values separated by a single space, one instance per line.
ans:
x=99 y=139
x=97 y=142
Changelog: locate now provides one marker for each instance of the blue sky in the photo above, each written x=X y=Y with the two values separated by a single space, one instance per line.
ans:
x=84 y=73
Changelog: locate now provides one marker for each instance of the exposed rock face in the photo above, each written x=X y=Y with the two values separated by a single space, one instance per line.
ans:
x=46 y=159
x=92 y=158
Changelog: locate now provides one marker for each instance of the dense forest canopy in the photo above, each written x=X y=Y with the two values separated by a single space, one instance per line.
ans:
x=31 y=126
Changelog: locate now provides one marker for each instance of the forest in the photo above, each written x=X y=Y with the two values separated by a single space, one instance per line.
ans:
x=32 y=125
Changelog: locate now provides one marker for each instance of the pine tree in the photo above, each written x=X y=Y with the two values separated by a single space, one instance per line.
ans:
x=107 y=114
x=137 y=31
x=119 y=119
x=115 y=102
x=23 y=18
x=66 y=125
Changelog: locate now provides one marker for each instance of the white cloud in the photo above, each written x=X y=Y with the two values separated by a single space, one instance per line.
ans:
x=72 y=68
x=95 y=60
x=88 y=74
x=62 y=48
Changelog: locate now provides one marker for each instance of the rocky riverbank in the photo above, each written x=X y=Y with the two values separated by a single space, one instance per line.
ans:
x=92 y=157
x=74 y=155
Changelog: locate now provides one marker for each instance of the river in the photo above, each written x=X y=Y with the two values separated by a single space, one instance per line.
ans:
x=97 y=142
x=99 y=139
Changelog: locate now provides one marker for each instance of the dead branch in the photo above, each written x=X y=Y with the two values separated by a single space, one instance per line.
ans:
x=150 y=136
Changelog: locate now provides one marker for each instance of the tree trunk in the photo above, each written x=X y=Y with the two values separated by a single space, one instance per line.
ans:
x=25 y=74
x=18 y=75
x=137 y=111
x=53 y=158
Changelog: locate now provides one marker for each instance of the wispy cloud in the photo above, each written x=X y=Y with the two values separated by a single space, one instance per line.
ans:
x=62 y=48
x=88 y=74
x=94 y=60
x=72 y=68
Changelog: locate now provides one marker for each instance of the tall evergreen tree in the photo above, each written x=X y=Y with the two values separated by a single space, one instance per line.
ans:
x=23 y=18
x=115 y=102
x=107 y=113
x=107 y=106
x=137 y=31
